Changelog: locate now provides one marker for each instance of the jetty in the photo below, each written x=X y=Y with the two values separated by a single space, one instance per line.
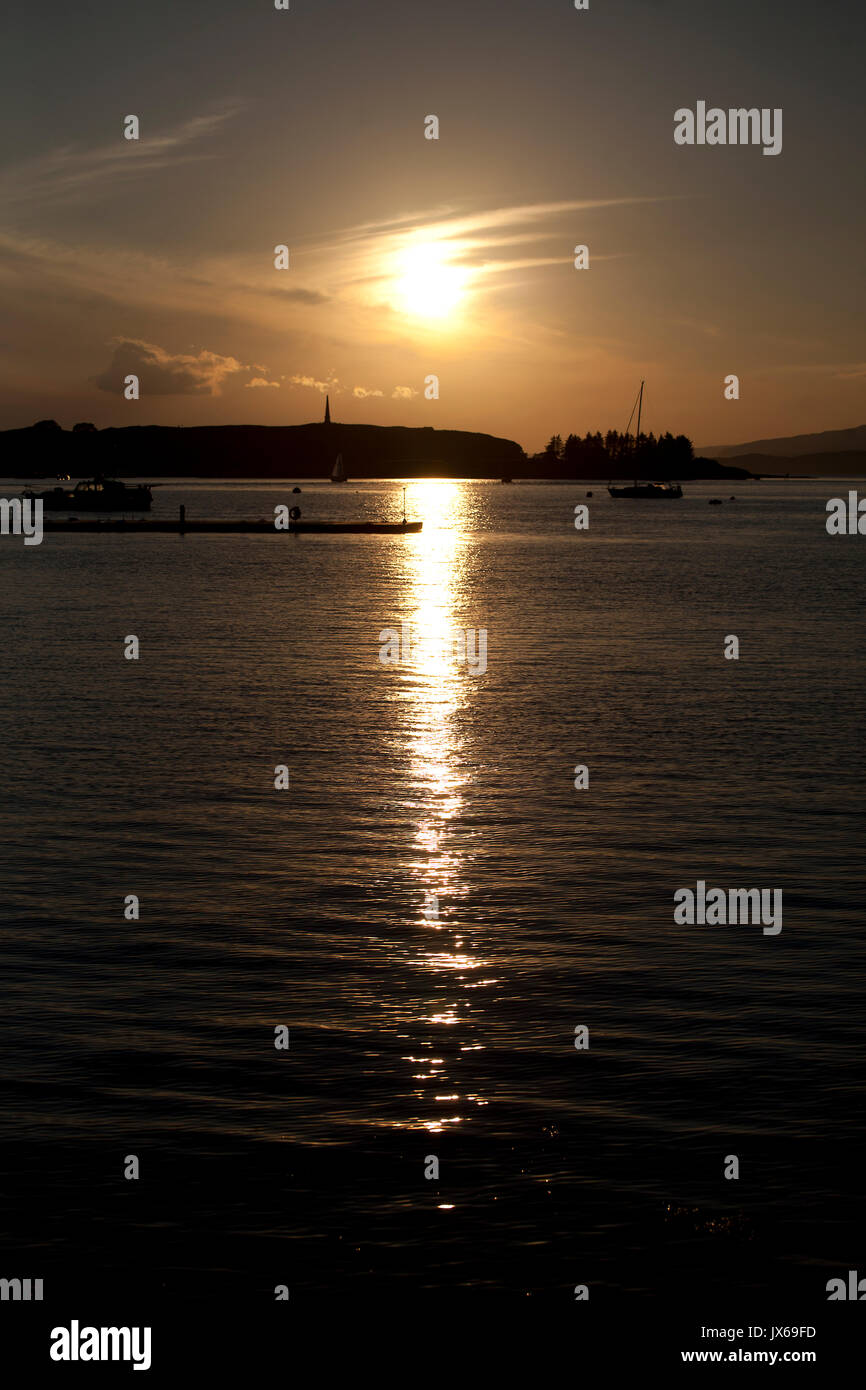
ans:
x=182 y=526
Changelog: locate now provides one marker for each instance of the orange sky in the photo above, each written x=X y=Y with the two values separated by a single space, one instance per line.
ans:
x=452 y=257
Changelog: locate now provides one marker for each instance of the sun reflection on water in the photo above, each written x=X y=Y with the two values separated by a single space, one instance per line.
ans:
x=435 y=689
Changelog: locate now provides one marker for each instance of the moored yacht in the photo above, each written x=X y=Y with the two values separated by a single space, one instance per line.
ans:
x=98 y=494
x=637 y=489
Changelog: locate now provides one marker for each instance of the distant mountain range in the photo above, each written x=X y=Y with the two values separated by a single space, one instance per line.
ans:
x=795 y=446
x=849 y=464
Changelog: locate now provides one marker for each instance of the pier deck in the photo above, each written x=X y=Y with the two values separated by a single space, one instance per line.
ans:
x=150 y=525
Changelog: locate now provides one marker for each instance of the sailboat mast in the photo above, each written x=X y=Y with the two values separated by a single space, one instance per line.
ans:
x=637 y=436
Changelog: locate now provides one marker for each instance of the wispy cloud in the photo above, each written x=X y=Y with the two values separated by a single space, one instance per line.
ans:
x=450 y=223
x=73 y=171
x=363 y=264
x=37 y=269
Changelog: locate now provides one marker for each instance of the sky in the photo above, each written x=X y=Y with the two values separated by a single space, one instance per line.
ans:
x=411 y=257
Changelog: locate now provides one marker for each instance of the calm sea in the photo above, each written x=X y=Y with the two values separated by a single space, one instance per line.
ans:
x=432 y=908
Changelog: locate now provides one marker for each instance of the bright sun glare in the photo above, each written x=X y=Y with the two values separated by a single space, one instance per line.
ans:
x=429 y=286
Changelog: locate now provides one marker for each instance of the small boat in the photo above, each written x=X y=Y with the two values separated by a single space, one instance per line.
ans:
x=508 y=480
x=715 y=502
x=637 y=489
x=98 y=494
x=338 y=472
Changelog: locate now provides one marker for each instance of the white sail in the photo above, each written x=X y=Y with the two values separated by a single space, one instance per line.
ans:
x=338 y=472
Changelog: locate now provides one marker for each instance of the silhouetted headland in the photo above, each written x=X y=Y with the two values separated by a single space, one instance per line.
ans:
x=304 y=451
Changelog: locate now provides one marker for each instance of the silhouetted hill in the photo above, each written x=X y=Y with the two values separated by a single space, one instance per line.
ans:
x=259 y=451
x=828 y=442
x=302 y=451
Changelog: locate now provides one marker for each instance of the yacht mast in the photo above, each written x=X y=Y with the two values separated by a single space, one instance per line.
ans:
x=637 y=436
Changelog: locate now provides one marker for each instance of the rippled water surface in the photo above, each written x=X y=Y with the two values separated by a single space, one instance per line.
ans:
x=432 y=908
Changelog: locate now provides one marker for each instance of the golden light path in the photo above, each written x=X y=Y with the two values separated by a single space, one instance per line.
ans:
x=436 y=689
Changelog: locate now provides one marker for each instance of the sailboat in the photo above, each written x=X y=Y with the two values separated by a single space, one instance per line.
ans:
x=338 y=472
x=643 y=489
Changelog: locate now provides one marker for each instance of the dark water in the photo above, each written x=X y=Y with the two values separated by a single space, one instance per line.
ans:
x=412 y=1036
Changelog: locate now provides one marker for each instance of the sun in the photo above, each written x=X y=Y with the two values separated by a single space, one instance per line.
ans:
x=428 y=286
